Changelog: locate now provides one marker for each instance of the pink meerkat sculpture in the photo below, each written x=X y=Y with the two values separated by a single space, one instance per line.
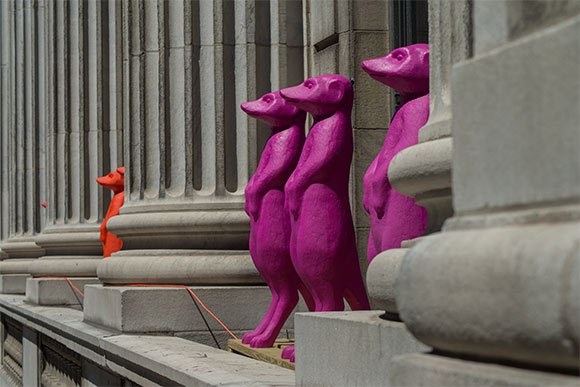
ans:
x=269 y=221
x=114 y=181
x=395 y=217
x=323 y=237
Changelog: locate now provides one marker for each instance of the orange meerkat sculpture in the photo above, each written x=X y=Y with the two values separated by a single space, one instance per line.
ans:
x=114 y=181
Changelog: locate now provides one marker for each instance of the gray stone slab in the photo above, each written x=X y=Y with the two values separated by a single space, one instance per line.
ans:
x=414 y=370
x=30 y=357
x=145 y=360
x=349 y=348
x=529 y=163
x=161 y=309
x=13 y=283
x=56 y=291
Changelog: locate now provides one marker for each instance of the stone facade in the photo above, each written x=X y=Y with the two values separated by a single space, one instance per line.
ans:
x=488 y=296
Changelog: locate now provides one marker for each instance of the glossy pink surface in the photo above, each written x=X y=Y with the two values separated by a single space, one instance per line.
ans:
x=395 y=217
x=269 y=221
x=114 y=181
x=323 y=240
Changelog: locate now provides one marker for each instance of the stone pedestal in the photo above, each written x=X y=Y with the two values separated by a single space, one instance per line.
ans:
x=349 y=348
x=57 y=291
x=426 y=370
x=169 y=310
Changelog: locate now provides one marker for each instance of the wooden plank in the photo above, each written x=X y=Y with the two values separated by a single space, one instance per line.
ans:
x=270 y=355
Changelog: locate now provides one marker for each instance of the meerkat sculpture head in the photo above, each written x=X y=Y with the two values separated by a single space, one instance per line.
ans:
x=272 y=109
x=322 y=95
x=405 y=69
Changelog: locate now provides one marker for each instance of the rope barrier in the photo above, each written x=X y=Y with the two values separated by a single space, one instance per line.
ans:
x=193 y=295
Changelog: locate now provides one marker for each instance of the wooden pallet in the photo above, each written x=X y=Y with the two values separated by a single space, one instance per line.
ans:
x=270 y=355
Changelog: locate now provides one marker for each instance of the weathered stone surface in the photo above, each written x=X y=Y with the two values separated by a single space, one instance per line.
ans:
x=56 y=291
x=64 y=266
x=349 y=348
x=418 y=370
x=200 y=267
x=155 y=309
x=503 y=298
x=13 y=283
x=30 y=357
x=544 y=167
x=381 y=276
x=145 y=360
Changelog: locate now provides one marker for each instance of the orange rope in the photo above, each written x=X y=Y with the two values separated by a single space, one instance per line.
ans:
x=191 y=292
x=70 y=283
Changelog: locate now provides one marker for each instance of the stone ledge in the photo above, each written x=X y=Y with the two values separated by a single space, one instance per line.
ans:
x=13 y=283
x=415 y=370
x=144 y=359
x=56 y=291
x=349 y=348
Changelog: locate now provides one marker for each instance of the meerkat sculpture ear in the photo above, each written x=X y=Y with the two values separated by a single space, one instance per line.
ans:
x=395 y=217
x=269 y=222
x=323 y=239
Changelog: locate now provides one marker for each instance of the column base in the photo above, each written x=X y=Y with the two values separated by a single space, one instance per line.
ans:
x=349 y=348
x=435 y=370
x=56 y=291
x=172 y=310
x=13 y=283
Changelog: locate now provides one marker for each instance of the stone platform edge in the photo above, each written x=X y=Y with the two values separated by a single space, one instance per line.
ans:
x=164 y=360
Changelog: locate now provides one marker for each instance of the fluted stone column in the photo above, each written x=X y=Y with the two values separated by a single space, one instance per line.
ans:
x=423 y=171
x=189 y=152
x=21 y=161
x=81 y=111
x=500 y=284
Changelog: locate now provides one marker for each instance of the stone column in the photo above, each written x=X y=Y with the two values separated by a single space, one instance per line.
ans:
x=189 y=153
x=81 y=109
x=423 y=171
x=21 y=159
x=500 y=283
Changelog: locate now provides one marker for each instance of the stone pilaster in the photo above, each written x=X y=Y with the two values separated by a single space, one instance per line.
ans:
x=81 y=112
x=423 y=171
x=500 y=283
x=21 y=161
x=189 y=152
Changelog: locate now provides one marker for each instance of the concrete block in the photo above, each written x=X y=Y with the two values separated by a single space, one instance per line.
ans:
x=536 y=160
x=508 y=292
x=326 y=61
x=94 y=376
x=322 y=19
x=369 y=15
x=157 y=309
x=30 y=357
x=372 y=100
x=349 y=348
x=56 y=291
x=13 y=283
x=415 y=370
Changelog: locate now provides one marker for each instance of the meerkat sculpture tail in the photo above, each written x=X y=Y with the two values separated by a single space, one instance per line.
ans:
x=323 y=238
x=395 y=217
x=269 y=221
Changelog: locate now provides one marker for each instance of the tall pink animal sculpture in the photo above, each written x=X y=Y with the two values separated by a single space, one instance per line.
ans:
x=395 y=217
x=269 y=221
x=323 y=240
